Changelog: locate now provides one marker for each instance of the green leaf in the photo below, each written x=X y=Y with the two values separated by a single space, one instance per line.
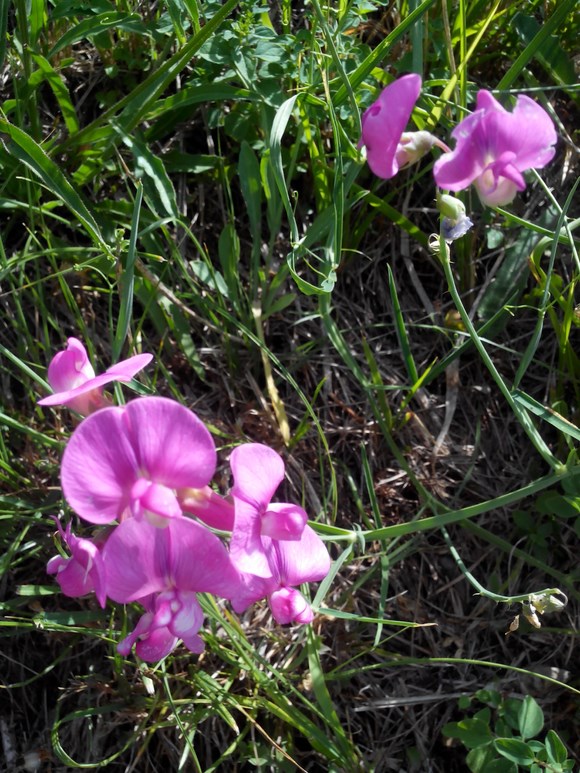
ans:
x=471 y=732
x=479 y=759
x=549 y=54
x=157 y=185
x=557 y=752
x=530 y=718
x=22 y=147
x=60 y=91
x=553 y=503
x=94 y=25
x=515 y=751
x=546 y=414
x=558 y=17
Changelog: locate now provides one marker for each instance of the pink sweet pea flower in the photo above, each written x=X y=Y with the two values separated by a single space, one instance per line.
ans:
x=133 y=461
x=163 y=569
x=494 y=147
x=71 y=376
x=272 y=543
x=389 y=147
x=84 y=571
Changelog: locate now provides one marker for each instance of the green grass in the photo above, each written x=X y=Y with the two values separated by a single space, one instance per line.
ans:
x=183 y=178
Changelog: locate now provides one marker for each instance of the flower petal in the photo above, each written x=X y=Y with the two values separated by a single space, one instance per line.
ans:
x=283 y=521
x=172 y=445
x=247 y=544
x=289 y=606
x=384 y=122
x=199 y=561
x=258 y=471
x=137 y=560
x=306 y=560
x=99 y=467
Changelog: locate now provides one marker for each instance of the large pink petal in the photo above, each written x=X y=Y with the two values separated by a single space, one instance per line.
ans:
x=456 y=170
x=199 y=561
x=172 y=445
x=304 y=561
x=137 y=561
x=99 y=467
x=536 y=135
x=384 y=122
x=247 y=544
x=258 y=471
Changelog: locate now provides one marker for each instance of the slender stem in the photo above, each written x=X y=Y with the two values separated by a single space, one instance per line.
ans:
x=523 y=597
x=520 y=414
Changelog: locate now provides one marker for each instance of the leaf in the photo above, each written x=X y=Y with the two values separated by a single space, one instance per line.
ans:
x=558 y=17
x=515 y=751
x=60 y=91
x=557 y=752
x=547 y=414
x=471 y=732
x=22 y=147
x=479 y=759
x=149 y=168
x=94 y=25
x=530 y=718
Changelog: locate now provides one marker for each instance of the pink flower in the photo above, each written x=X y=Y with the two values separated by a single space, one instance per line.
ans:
x=133 y=461
x=84 y=571
x=494 y=147
x=163 y=569
x=71 y=376
x=389 y=147
x=271 y=542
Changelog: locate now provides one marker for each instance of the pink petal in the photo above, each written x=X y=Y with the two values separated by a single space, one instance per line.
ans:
x=384 y=122
x=172 y=446
x=484 y=141
x=126 y=369
x=304 y=561
x=137 y=558
x=98 y=467
x=289 y=606
x=81 y=389
x=199 y=561
x=156 y=646
x=283 y=521
x=208 y=506
x=247 y=544
x=70 y=368
x=161 y=501
x=258 y=471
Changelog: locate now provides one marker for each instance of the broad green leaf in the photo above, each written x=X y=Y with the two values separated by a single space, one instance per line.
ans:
x=530 y=718
x=478 y=759
x=471 y=732
x=515 y=751
x=557 y=752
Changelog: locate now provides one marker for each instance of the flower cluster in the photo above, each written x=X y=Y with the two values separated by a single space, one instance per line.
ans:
x=141 y=472
x=493 y=146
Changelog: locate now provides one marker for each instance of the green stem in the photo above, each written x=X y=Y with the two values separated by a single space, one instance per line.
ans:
x=520 y=414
